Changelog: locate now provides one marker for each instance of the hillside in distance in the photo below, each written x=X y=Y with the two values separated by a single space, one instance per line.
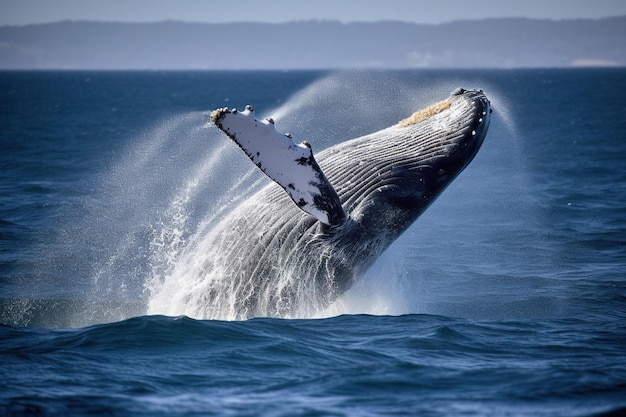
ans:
x=490 y=43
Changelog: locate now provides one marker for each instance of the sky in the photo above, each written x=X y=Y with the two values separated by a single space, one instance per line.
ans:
x=22 y=12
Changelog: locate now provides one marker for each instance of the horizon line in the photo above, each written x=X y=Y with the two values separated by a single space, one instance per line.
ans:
x=314 y=20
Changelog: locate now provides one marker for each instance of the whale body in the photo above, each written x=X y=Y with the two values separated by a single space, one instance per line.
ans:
x=297 y=244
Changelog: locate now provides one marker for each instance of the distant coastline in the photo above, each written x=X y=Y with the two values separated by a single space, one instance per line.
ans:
x=172 y=45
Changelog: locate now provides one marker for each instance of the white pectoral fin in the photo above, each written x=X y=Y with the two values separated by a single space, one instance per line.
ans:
x=291 y=166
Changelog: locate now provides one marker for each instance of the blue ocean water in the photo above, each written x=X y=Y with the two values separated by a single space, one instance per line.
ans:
x=506 y=298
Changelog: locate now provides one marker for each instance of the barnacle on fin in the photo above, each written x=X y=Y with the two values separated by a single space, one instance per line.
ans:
x=216 y=114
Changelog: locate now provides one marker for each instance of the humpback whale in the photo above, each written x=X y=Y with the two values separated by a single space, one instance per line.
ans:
x=305 y=238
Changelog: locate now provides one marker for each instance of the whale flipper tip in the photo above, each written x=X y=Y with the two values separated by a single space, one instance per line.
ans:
x=217 y=114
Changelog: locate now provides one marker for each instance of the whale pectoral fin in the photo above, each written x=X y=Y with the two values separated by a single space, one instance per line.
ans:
x=291 y=166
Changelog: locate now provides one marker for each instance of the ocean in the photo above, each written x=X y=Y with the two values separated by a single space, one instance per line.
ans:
x=507 y=297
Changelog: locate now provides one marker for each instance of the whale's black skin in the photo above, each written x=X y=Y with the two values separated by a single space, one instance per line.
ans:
x=275 y=260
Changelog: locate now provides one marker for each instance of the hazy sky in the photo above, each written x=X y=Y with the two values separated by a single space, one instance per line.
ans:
x=19 y=12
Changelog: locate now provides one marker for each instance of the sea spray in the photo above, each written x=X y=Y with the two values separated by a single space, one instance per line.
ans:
x=150 y=203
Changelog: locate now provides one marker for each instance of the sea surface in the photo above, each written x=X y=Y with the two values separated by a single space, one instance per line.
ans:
x=506 y=298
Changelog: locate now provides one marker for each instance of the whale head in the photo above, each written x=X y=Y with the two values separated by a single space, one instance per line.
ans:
x=396 y=173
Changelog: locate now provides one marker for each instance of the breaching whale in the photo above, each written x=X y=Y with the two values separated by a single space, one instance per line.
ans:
x=301 y=241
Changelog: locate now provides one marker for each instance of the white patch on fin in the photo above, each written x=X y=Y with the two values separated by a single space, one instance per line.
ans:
x=291 y=166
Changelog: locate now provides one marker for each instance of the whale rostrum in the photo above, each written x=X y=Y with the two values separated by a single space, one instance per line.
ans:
x=291 y=250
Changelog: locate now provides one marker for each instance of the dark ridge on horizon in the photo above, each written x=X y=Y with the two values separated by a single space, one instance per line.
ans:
x=313 y=20
x=315 y=44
